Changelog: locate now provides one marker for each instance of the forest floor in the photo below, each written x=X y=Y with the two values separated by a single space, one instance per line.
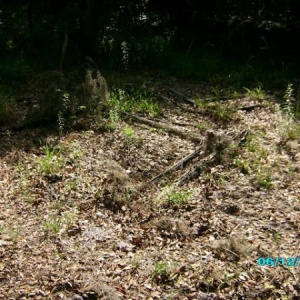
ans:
x=82 y=215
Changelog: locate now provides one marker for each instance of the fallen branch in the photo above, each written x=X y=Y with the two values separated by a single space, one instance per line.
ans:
x=214 y=158
x=197 y=169
x=179 y=164
x=166 y=127
x=182 y=97
x=250 y=107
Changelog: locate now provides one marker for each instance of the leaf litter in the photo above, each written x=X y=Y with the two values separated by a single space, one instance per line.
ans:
x=93 y=228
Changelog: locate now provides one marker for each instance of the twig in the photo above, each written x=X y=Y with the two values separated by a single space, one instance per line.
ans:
x=179 y=164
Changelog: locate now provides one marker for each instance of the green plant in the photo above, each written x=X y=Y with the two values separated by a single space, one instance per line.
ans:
x=61 y=121
x=15 y=233
x=59 y=255
x=24 y=190
x=128 y=132
x=21 y=168
x=51 y=163
x=8 y=136
x=69 y=219
x=172 y=197
x=27 y=197
x=218 y=92
x=253 y=143
x=232 y=150
x=52 y=227
x=116 y=104
x=251 y=146
x=201 y=103
x=178 y=198
x=288 y=96
x=242 y=165
x=263 y=179
x=290 y=127
x=136 y=262
x=235 y=94
x=66 y=106
x=292 y=131
x=277 y=236
x=105 y=125
x=149 y=107
x=162 y=271
x=256 y=93
x=202 y=127
x=71 y=186
x=58 y=205
x=76 y=153
x=51 y=151
x=221 y=112
x=125 y=54
x=135 y=100
x=262 y=153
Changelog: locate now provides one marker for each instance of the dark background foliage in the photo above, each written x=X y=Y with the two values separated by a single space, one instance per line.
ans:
x=218 y=37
